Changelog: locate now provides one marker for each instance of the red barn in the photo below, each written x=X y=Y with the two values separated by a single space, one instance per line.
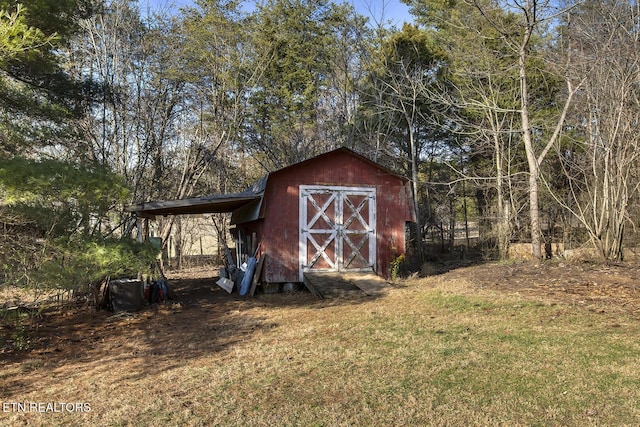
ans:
x=338 y=211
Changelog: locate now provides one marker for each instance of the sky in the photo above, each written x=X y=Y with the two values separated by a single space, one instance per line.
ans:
x=392 y=10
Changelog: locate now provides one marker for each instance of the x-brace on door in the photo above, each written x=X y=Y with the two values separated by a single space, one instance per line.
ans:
x=337 y=228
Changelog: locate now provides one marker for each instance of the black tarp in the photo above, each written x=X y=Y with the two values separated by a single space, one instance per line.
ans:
x=126 y=294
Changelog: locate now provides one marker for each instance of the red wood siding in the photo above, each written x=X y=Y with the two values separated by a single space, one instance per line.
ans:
x=280 y=209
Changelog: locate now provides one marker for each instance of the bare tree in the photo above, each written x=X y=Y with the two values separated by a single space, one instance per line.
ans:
x=481 y=107
x=135 y=125
x=403 y=116
x=518 y=29
x=602 y=163
x=532 y=16
x=164 y=116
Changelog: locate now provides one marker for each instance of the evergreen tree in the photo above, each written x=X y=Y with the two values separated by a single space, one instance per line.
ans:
x=293 y=43
x=38 y=97
x=395 y=103
x=54 y=212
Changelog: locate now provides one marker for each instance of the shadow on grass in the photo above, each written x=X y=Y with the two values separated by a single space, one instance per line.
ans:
x=438 y=261
x=200 y=321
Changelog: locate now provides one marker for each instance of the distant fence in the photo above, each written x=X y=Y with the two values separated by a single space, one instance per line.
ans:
x=557 y=250
x=188 y=261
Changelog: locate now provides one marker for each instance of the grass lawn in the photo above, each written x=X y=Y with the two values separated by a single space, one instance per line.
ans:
x=437 y=351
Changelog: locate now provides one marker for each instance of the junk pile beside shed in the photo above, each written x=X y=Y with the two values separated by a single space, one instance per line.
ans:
x=336 y=212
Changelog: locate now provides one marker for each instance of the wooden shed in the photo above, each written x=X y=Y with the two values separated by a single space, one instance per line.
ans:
x=338 y=211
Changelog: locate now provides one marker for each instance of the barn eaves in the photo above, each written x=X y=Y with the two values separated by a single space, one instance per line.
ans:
x=217 y=203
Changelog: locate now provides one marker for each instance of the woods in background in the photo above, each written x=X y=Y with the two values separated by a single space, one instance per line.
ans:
x=515 y=118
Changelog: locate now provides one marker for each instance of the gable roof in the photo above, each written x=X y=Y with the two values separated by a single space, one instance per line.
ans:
x=233 y=201
x=344 y=150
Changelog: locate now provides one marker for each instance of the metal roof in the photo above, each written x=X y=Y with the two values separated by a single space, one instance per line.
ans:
x=200 y=205
x=216 y=203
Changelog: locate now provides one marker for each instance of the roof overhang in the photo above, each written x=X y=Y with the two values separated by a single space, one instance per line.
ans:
x=198 y=205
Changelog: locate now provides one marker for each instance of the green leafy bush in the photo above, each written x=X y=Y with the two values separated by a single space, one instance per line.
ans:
x=72 y=263
x=56 y=217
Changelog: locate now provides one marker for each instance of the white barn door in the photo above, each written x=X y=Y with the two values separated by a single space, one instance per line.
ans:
x=337 y=228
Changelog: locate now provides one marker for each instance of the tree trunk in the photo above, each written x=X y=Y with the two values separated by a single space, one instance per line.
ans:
x=534 y=215
x=414 y=191
x=466 y=215
x=452 y=225
x=534 y=171
x=503 y=232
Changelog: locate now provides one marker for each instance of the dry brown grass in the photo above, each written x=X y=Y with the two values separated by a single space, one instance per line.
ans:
x=445 y=350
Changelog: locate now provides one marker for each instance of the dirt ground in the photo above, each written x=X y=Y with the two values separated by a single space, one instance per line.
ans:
x=81 y=331
x=591 y=285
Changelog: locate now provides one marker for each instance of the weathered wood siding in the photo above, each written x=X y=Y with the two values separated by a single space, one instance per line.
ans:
x=280 y=209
